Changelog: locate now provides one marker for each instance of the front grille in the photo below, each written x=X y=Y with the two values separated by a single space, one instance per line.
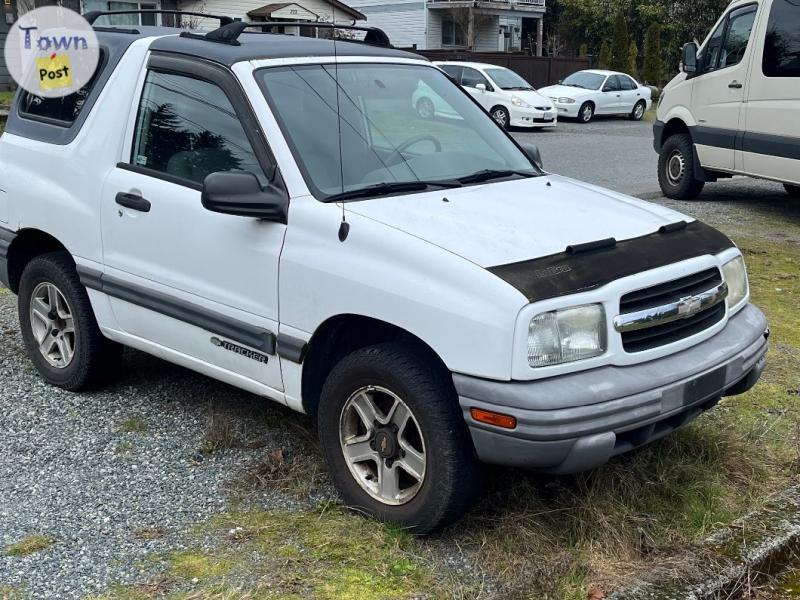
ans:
x=668 y=293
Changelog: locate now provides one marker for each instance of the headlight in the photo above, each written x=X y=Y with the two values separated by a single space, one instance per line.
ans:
x=566 y=335
x=519 y=102
x=566 y=101
x=735 y=275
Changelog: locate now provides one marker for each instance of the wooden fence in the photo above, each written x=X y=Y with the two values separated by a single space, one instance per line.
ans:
x=536 y=70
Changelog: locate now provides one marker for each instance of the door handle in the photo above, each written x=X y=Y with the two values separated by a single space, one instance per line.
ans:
x=133 y=201
x=735 y=85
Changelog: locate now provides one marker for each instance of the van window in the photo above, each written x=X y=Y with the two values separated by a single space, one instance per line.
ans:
x=187 y=128
x=782 y=45
x=737 y=37
x=710 y=54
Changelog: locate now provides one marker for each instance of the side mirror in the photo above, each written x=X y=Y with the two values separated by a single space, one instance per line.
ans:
x=481 y=87
x=533 y=154
x=239 y=193
x=689 y=58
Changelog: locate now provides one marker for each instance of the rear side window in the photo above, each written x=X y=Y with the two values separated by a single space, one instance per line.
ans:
x=782 y=45
x=58 y=111
x=187 y=128
x=627 y=83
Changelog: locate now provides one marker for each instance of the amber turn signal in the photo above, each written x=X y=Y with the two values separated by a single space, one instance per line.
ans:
x=493 y=418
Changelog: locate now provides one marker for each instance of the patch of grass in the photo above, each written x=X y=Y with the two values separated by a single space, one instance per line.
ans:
x=133 y=425
x=124 y=448
x=199 y=566
x=221 y=433
x=11 y=593
x=29 y=545
x=153 y=532
x=5 y=99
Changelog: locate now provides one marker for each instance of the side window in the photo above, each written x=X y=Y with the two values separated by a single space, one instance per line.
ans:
x=710 y=54
x=612 y=84
x=628 y=84
x=737 y=37
x=471 y=78
x=187 y=128
x=64 y=111
x=453 y=71
x=782 y=45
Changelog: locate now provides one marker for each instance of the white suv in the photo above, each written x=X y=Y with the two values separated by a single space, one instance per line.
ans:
x=735 y=108
x=273 y=213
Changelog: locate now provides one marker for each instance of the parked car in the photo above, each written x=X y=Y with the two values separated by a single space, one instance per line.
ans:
x=261 y=212
x=585 y=94
x=512 y=101
x=734 y=109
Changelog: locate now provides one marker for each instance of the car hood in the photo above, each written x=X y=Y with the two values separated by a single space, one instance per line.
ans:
x=532 y=97
x=511 y=221
x=559 y=91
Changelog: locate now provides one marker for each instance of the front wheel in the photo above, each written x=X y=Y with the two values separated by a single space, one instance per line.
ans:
x=676 y=169
x=586 y=112
x=638 y=111
x=394 y=438
x=792 y=190
x=500 y=114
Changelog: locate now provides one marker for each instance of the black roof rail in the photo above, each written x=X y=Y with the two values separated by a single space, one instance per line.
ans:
x=229 y=34
x=93 y=15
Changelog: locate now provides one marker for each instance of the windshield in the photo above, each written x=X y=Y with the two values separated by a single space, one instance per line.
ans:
x=508 y=80
x=587 y=81
x=402 y=128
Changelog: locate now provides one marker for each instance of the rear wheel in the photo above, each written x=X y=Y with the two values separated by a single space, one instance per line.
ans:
x=394 y=438
x=638 y=111
x=792 y=190
x=676 y=169
x=59 y=328
x=586 y=112
x=500 y=114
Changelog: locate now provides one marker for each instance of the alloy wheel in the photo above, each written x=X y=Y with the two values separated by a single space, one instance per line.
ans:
x=53 y=325
x=500 y=116
x=382 y=445
x=638 y=112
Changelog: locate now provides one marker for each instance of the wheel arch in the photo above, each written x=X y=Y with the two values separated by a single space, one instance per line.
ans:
x=343 y=334
x=27 y=245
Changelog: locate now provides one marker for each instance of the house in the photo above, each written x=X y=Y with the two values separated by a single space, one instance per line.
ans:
x=9 y=16
x=478 y=25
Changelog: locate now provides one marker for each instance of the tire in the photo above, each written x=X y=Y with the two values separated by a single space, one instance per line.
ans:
x=637 y=114
x=425 y=108
x=792 y=190
x=79 y=357
x=586 y=112
x=500 y=114
x=676 y=169
x=436 y=432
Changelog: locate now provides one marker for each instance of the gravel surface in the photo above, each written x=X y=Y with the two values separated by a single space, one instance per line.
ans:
x=71 y=471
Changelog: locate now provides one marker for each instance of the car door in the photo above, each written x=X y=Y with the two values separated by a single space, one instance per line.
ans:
x=630 y=94
x=719 y=88
x=470 y=79
x=201 y=285
x=771 y=142
x=609 y=101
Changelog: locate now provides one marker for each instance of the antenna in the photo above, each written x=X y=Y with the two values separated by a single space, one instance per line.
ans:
x=344 y=228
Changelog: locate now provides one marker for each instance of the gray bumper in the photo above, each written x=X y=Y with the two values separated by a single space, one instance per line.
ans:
x=577 y=422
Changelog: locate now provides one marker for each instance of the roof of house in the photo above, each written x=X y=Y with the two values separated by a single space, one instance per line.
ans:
x=268 y=9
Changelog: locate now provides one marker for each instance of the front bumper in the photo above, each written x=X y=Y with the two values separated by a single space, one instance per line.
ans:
x=526 y=117
x=577 y=422
x=568 y=110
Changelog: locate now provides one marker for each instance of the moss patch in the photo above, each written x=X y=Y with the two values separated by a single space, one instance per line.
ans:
x=133 y=425
x=29 y=545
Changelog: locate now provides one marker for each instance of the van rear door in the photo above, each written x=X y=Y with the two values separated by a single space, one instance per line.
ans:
x=770 y=146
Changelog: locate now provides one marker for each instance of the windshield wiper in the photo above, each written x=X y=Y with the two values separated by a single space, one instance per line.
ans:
x=489 y=174
x=391 y=187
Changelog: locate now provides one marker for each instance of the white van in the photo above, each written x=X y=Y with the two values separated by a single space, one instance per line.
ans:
x=735 y=108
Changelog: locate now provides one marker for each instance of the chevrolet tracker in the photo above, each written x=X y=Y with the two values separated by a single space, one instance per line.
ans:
x=272 y=211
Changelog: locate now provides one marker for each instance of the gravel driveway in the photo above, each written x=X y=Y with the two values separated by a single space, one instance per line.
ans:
x=98 y=473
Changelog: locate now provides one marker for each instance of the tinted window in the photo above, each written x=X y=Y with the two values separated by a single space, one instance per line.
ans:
x=612 y=84
x=627 y=83
x=471 y=78
x=64 y=110
x=737 y=37
x=453 y=71
x=782 y=46
x=188 y=128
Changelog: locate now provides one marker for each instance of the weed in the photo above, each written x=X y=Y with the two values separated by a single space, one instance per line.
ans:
x=29 y=545
x=133 y=425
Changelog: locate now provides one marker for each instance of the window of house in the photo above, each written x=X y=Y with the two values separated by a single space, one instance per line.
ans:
x=782 y=46
x=122 y=20
x=737 y=37
x=472 y=77
x=187 y=128
x=452 y=33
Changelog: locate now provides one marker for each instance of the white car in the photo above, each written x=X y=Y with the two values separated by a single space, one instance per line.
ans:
x=274 y=214
x=512 y=101
x=735 y=108
x=585 y=94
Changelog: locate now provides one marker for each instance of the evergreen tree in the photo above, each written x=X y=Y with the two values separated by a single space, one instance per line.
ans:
x=584 y=50
x=633 y=57
x=604 y=60
x=653 y=66
x=620 y=44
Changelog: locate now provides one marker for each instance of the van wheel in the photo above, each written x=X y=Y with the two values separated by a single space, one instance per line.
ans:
x=792 y=190
x=638 y=111
x=394 y=439
x=59 y=328
x=676 y=169
x=586 y=112
x=500 y=114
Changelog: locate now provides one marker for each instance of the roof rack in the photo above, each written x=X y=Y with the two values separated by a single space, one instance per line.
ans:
x=229 y=33
x=92 y=16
